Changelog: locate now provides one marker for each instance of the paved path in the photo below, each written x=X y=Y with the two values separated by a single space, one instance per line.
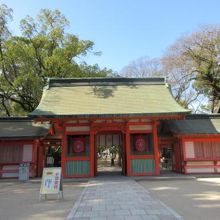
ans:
x=119 y=200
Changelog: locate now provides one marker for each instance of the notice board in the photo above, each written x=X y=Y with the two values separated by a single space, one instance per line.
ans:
x=51 y=181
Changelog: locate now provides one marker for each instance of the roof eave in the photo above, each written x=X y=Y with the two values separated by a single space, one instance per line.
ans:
x=110 y=115
x=196 y=135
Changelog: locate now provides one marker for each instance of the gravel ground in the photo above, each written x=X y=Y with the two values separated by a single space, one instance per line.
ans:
x=21 y=201
x=192 y=199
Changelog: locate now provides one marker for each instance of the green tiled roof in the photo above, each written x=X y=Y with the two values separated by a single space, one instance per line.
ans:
x=195 y=126
x=22 y=128
x=102 y=97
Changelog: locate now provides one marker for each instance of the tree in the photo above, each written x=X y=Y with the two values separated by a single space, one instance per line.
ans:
x=5 y=16
x=43 y=50
x=193 y=61
x=191 y=66
x=143 y=67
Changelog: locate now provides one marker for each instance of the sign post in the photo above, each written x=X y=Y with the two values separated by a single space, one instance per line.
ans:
x=51 y=182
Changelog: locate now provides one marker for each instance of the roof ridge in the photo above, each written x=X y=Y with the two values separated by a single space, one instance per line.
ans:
x=54 y=82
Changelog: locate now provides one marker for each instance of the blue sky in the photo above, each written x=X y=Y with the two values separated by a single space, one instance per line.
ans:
x=125 y=30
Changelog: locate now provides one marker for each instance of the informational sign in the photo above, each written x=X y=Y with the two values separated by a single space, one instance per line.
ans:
x=23 y=172
x=51 y=181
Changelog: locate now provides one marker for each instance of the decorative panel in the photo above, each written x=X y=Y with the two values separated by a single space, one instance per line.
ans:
x=189 y=149
x=134 y=120
x=83 y=121
x=142 y=166
x=200 y=170
x=216 y=146
x=10 y=171
x=200 y=163
x=77 y=128
x=146 y=120
x=72 y=121
x=78 y=145
x=141 y=144
x=27 y=153
x=118 y=120
x=140 y=127
x=11 y=153
x=77 y=168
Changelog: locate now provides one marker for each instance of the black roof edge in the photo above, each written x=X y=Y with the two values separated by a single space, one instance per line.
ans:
x=16 y=118
x=202 y=116
x=110 y=115
x=60 y=81
x=22 y=137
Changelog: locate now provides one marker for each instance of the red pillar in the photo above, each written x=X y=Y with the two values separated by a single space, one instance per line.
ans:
x=63 y=154
x=92 y=151
x=34 y=166
x=183 y=158
x=128 y=150
x=156 y=149
x=39 y=159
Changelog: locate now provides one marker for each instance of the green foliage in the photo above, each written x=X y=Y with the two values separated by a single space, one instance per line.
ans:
x=43 y=50
x=193 y=62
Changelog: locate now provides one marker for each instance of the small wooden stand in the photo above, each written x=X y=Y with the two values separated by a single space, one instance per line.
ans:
x=52 y=183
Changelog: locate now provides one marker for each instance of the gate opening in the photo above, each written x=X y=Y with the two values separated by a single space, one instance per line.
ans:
x=110 y=155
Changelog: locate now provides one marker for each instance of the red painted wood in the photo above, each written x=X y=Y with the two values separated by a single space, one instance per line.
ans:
x=33 y=162
x=16 y=141
x=140 y=123
x=76 y=176
x=9 y=171
x=143 y=174
x=14 y=163
x=143 y=156
x=140 y=131
x=124 y=166
x=81 y=158
x=95 y=154
x=201 y=159
x=178 y=157
x=76 y=124
x=63 y=153
x=199 y=166
x=212 y=157
x=92 y=152
x=78 y=133
x=128 y=151
x=106 y=127
x=183 y=143
x=41 y=153
x=156 y=149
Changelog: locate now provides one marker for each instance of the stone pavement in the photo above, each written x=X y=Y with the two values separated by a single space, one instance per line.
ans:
x=119 y=200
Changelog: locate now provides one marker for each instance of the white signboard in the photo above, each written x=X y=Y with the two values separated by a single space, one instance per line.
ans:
x=51 y=181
